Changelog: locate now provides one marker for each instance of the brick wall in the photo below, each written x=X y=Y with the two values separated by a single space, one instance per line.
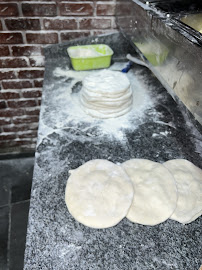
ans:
x=25 y=27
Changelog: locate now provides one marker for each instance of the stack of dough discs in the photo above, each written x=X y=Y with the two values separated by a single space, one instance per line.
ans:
x=189 y=185
x=106 y=94
x=155 y=192
x=99 y=194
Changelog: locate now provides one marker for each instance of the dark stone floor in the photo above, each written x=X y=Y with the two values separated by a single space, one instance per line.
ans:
x=15 y=186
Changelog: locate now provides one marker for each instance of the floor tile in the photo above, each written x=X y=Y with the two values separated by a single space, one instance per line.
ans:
x=17 y=172
x=4 y=184
x=4 y=227
x=19 y=218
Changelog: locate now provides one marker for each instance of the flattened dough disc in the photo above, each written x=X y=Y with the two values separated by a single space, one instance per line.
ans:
x=106 y=94
x=189 y=184
x=99 y=194
x=155 y=192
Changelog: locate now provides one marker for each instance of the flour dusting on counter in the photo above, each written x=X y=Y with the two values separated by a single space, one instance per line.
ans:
x=65 y=94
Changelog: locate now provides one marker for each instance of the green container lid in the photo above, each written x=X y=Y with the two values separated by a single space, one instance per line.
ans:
x=87 y=57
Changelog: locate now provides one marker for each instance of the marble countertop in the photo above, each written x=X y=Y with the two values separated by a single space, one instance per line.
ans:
x=160 y=130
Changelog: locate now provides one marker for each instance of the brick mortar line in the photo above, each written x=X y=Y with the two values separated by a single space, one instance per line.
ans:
x=16 y=57
x=19 y=80
x=41 y=23
x=17 y=132
x=23 y=45
x=3 y=25
x=48 y=17
x=67 y=17
x=43 y=32
x=10 y=51
x=22 y=69
x=32 y=140
x=19 y=125
x=94 y=8
x=22 y=99
x=20 y=90
x=55 y=2
x=53 y=31
x=29 y=2
x=20 y=9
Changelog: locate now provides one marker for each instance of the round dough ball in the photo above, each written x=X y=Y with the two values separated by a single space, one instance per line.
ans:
x=99 y=194
x=188 y=178
x=106 y=94
x=155 y=192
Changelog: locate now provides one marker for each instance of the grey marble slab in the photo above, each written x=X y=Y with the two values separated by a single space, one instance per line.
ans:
x=55 y=240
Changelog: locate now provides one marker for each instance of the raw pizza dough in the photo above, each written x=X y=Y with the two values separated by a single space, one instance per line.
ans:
x=189 y=184
x=99 y=194
x=155 y=192
x=106 y=94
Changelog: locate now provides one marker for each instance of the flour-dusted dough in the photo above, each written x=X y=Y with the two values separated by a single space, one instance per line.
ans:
x=99 y=193
x=106 y=94
x=155 y=192
x=189 y=184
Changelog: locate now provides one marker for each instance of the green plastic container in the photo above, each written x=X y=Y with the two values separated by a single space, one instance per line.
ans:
x=88 y=57
x=155 y=52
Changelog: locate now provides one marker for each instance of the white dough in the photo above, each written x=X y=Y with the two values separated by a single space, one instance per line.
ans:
x=106 y=94
x=155 y=192
x=189 y=184
x=99 y=194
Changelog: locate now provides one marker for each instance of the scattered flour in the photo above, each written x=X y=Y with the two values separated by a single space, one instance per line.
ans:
x=74 y=117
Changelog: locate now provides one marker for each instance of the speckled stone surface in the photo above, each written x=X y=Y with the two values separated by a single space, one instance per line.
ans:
x=55 y=240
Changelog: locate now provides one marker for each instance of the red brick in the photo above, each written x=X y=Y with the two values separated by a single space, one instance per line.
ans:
x=10 y=95
x=37 y=61
x=8 y=10
x=21 y=103
x=95 y=24
x=26 y=50
x=23 y=24
x=17 y=128
x=105 y=9
x=4 y=51
x=30 y=74
x=16 y=84
x=5 y=121
x=32 y=134
x=39 y=102
x=2 y=105
x=12 y=62
x=39 y=9
x=42 y=38
x=11 y=112
x=60 y=24
x=38 y=83
x=11 y=38
x=72 y=35
x=4 y=137
x=31 y=93
x=76 y=9
x=25 y=119
x=32 y=111
x=4 y=75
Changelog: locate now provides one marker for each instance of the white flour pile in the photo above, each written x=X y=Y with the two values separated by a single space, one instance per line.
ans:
x=74 y=117
x=83 y=52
